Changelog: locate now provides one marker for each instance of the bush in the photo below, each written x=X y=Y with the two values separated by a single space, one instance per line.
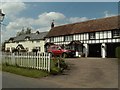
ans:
x=118 y=52
x=57 y=65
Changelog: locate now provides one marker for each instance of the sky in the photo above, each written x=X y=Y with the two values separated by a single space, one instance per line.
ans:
x=39 y=15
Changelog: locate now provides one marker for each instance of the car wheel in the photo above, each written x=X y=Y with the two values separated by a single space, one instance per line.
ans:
x=64 y=55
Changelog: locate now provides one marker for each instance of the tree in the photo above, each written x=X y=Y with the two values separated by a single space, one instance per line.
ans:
x=18 y=34
x=21 y=32
x=28 y=31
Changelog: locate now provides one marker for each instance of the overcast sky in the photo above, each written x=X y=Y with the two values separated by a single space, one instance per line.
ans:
x=39 y=15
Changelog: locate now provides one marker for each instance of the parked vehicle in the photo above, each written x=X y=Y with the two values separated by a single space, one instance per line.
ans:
x=56 y=50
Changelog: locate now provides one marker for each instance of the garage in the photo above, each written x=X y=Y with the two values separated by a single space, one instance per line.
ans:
x=110 y=50
x=94 y=50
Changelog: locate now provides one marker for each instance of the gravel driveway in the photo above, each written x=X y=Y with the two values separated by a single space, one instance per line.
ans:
x=89 y=73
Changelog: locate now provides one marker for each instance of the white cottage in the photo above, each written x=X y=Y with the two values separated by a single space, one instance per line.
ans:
x=93 y=38
x=27 y=42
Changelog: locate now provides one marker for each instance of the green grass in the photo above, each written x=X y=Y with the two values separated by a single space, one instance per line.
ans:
x=25 y=71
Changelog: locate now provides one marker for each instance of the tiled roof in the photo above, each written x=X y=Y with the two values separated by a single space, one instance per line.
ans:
x=32 y=36
x=109 y=23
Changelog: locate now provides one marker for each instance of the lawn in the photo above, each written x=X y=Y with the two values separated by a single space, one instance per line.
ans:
x=25 y=71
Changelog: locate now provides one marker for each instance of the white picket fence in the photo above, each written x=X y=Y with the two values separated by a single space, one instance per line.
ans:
x=39 y=61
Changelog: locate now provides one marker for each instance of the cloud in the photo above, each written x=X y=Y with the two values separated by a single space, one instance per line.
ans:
x=43 y=20
x=77 y=19
x=12 y=9
x=42 y=23
x=108 y=14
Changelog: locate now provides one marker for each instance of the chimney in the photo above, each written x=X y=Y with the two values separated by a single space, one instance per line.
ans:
x=52 y=24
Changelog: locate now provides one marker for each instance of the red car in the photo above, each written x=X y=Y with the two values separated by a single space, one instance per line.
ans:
x=56 y=50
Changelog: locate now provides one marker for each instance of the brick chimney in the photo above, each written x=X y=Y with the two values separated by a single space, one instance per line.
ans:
x=52 y=24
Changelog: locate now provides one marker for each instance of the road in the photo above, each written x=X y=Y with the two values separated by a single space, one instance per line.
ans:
x=15 y=81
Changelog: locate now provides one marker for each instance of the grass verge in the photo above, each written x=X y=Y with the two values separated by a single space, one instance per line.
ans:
x=25 y=71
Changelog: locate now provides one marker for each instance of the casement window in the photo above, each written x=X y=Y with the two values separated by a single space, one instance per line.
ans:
x=68 y=38
x=27 y=38
x=27 y=49
x=92 y=35
x=12 y=48
x=116 y=33
x=37 y=48
x=38 y=41
x=8 y=48
x=52 y=39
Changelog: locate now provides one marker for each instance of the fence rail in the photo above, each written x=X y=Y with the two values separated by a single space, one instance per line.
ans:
x=39 y=61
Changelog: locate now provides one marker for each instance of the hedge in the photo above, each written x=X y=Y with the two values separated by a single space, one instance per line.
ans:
x=118 y=52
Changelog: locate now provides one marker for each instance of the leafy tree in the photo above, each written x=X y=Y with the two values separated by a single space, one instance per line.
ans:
x=21 y=32
x=28 y=31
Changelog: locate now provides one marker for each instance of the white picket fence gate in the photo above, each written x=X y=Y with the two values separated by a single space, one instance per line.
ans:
x=39 y=61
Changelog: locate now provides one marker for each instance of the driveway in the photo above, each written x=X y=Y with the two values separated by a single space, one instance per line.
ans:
x=89 y=73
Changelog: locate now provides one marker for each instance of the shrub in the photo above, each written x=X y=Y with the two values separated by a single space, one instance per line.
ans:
x=118 y=52
x=57 y=65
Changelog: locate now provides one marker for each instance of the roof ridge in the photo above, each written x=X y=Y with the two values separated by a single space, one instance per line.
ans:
x=88 y=21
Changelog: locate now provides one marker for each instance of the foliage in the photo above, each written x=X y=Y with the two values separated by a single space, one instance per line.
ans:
x=118 y=52
x=28 y=31
x=57 y=65
x=23 y=31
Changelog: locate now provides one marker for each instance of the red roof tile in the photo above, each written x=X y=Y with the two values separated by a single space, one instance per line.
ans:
x=103 y=24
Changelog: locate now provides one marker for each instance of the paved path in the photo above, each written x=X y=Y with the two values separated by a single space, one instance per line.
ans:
x=82 y=73
x=89 y=73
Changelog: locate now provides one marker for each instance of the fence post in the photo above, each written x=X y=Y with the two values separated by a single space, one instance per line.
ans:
x=13 y=59
x=49 y=62
x=58 y=63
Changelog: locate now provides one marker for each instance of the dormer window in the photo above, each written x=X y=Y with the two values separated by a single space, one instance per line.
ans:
x=116 y=33
x=92 y=35
x=37 y=32
x=27 y=38
x=11 y=39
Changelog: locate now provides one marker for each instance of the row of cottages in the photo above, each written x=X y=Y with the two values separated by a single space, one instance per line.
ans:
x=94 y=38
x=28 y=42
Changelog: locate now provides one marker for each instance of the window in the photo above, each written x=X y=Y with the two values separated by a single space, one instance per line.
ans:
x=27 y=49
x=12 y=48
x=27 y=38
x=68 y=38
x=38 y=41
x=116 y=33
x=52 y=39
x=37 y=48
x=17 y=42
x=92 y=36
